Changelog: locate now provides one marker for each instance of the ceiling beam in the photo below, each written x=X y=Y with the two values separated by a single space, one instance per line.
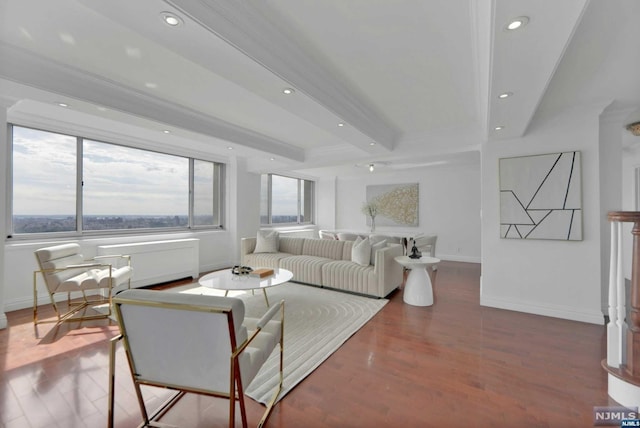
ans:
x=524 y=61
x=26 y=68
x=247 y=27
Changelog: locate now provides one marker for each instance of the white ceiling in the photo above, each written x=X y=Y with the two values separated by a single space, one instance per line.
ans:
x=419 y=78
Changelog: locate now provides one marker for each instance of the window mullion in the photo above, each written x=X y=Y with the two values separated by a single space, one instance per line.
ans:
x=79 y=184
x=190 y=220
x=299 y=197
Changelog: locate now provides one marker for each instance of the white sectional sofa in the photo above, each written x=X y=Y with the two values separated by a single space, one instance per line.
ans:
x=328 y=263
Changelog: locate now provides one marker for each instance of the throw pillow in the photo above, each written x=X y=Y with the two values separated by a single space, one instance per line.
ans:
x=375 y=247
x=361 y=251
x=266 y=241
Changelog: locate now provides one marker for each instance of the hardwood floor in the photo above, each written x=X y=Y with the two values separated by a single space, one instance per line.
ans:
x=454 y=364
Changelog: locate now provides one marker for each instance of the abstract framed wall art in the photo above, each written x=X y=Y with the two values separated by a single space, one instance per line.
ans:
x=397 y=204
x=541 y=197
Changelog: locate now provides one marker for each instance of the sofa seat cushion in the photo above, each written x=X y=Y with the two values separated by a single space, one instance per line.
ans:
x=268 y=260
x=347 y=275
x=307 y=269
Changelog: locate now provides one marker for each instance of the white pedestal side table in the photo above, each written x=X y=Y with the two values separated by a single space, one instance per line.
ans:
x=418 y=291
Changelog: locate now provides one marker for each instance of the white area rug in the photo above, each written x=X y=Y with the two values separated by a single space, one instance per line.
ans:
x=316 y=323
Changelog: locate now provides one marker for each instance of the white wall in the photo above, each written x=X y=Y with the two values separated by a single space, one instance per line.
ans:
x=326 y=203
x=449 y=206
x=554 y=278
x=244 y=196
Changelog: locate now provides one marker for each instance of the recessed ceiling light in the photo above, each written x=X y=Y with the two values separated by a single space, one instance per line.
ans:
x=288 y=91
x=340 y=124
x=272 y=159
x=63 y=105
x=516 y=23
x=505 y=95
x=499 y=128
x=166 y=131
x=151 y=85
x=230 y=148
x=371 y=167
x=171 y=19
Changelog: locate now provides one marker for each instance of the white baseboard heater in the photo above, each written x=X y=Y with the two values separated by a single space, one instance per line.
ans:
x=159 y=261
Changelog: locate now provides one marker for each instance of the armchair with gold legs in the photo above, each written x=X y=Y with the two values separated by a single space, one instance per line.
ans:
x=193 y=344
x=64 y=270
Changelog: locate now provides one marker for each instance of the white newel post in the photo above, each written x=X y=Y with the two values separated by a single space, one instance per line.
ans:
x=617 y=329
x=622 y=304
x=613 y=328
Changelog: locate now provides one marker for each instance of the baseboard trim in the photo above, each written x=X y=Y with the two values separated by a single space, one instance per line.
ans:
x=562 y=312
x=459 y=258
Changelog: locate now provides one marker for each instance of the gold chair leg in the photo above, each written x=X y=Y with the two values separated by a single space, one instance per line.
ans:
x=112 y=378
x=35 y=299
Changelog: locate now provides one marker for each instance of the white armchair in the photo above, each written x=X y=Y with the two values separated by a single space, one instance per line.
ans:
x=64 y=270
x=193 y=343
x=427 y=244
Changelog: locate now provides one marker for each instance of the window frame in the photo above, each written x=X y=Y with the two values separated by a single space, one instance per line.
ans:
x=300 y=202
x=219 y=167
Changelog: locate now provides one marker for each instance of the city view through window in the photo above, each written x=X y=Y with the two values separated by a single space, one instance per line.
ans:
x=285 y=200
x=121 y=187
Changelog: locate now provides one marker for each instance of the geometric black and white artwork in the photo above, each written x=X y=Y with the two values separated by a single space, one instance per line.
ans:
x=541 y=197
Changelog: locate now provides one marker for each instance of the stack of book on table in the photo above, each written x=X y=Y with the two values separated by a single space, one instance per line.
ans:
x=261 y=273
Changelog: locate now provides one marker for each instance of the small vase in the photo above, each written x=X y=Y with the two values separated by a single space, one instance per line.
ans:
x=373 y=224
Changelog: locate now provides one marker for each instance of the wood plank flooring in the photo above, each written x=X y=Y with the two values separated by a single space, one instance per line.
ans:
x=454 y=364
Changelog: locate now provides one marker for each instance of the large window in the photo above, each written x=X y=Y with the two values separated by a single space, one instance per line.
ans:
x=207 y=179
x=59 y=179
x=44 y=181
x=285 y=200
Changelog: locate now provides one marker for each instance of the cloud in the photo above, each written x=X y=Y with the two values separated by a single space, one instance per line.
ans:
x=117 y=180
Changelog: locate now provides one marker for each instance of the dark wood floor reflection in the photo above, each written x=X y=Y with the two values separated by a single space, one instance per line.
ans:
x=454 y=364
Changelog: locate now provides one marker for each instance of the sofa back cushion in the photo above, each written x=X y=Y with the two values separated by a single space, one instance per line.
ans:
x=266 y=242
x=375 y=238
x=291 y=245
x=327 y=248
x=347 y=236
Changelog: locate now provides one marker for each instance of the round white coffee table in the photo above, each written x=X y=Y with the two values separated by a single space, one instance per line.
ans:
x=225 y=280
x=418 y=291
